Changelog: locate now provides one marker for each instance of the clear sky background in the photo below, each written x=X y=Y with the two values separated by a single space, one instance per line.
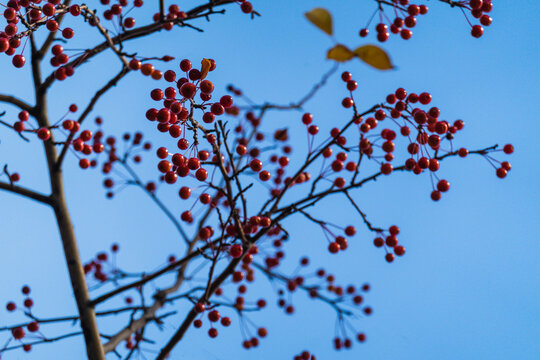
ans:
x=469 y=285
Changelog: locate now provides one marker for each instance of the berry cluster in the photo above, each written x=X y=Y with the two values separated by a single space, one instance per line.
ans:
x=479 y=10
x=61 y=58
x=18 y=333
x=178 y=114
x=405 y=15
x=404 y=21
x=214 y=317
x=102 y=268
x=389 y=241
x=25 y=17
x=346 y=299
x=219 y=171
x=349 y=298
x=245 y=6
x=241 y=278
x=426 y=133
x=32 y=17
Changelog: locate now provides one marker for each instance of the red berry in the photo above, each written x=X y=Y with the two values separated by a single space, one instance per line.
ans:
x=462 y=152
x=264 y=175
x=506 y=165
x=352 y=85
x=184 y=192
x=164 y=166
x=386 y=168
x=399 y=250
x=199 y=307
x=485 y=20
x=401 y=94
x=508 y=149
x=435 y=195
x=236 y=251
x=333 y=247
x=425 y=98
x=475 y=4
x=217 y=109
x=68 y=33
x=443 y=185
x=255 y=165
x=307 y=118
x=18 y=333
x=156 y=94
x=246 y=7
x=213 y=316
x=477 y=31
x=226 y=101
x=207 y=86
x=185 y=65
x=201 y=174
x=406 y=34
x=33 y=326
x=347 y=102
x=44 y=134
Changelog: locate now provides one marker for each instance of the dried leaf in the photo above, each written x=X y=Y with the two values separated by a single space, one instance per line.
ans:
x=340 y=53
x=374 y=56
x=205 y=67
x=321 y=18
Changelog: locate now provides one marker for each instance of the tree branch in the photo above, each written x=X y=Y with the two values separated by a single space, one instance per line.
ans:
x=89 y=109
x=194 y=13
x=16 y=102
x=31 y=194
x=150 y=277
x=77 y=276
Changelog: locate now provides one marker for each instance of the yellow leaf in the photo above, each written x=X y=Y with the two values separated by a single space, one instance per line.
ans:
x=321 y=18
x=205 y=67
x=340 y=53
x=374 y=56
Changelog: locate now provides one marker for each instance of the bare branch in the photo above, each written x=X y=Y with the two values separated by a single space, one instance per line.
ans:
x=111 y=83
x=16 y=102
x=31 y=194
x=362 y=214
x=150 y=277
x=44 y=340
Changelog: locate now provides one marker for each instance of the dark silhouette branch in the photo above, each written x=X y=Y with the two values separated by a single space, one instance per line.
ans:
x=31 y=194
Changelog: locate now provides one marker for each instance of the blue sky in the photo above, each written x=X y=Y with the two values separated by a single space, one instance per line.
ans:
x=468 y=287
